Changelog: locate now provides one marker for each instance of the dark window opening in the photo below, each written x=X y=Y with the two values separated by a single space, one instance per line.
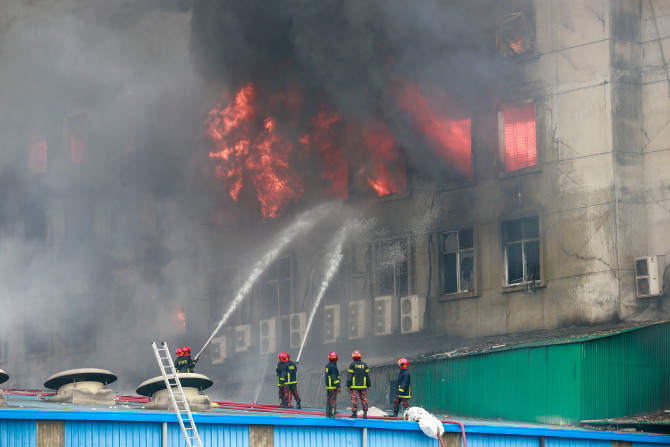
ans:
x=522 y=250
x=278 y=295
x=457 y=262
x=392 y=268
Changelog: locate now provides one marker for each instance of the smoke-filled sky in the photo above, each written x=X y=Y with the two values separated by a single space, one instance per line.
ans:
x=145 y=73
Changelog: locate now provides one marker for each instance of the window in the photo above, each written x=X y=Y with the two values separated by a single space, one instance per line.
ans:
x=457 y=262
x=278 y=289
x=37 y=154
x=522 y=250
x=392 y=267
x=77 y=132
x=518 y=144
x=516 y=38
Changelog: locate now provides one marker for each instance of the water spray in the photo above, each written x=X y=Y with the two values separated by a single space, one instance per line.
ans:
x=334 y=251
x=301 y=225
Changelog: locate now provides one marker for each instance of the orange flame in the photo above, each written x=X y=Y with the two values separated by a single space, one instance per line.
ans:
x=389 y=171
x=322 y=139
x=239 y=147
x=449 y=138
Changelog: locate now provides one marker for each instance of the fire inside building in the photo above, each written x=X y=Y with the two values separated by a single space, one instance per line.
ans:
x=427 y=182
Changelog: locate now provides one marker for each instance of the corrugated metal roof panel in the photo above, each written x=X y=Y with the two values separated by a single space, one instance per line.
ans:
x=571 y=442
x=111 y=434
x=488 y=440
x=386 y=438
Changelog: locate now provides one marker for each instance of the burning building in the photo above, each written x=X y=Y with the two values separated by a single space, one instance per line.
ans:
x=510 y=154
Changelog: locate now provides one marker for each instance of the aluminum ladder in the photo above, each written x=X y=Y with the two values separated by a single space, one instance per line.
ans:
x=177 y=397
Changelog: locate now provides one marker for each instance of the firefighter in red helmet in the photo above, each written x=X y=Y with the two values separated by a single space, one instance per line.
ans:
x=184 y=363
x=358 y=383
x=287 y=381
x=332 y=385
x=404 y=390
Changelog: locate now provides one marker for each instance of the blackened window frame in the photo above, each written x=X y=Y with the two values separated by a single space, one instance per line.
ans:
x=517 y=14
x=461 y=249
x=529 y=239
x=280 y=277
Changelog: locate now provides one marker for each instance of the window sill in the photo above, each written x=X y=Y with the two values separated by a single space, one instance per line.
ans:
x=458 y=296
x=523 y=171
x=523 y=287
x=456 y=185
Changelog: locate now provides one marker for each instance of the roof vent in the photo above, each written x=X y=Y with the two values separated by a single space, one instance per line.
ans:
x=82 y=386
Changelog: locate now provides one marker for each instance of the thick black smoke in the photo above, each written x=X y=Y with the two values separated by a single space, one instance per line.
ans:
x=355 y=54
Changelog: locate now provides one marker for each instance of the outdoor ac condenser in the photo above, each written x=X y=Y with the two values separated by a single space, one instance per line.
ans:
x=269 y=334
x=242 y=337
x=219 y=349
x=386 y=314
x=297 y=323
x=412 y=312
x=357 y=315
x=649 y=276
x=331 y=323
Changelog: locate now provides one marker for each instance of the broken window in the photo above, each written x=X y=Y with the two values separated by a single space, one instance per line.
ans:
x=37 y=154
x=392 y=267
x=516 y=37
x=522 y=250
x=278 y=289
x=457 y=261
x=518 y=145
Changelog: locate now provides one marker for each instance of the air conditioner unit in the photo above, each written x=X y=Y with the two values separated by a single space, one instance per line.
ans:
x=357 y=315
x=297 y=323
x=386 y=314
x=219 y=349
x=270 y=334
x=242 y=337
x=331 y=323
x=649 y=276
x=412 y=311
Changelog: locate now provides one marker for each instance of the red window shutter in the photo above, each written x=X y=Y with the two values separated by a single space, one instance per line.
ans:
x=520 y=148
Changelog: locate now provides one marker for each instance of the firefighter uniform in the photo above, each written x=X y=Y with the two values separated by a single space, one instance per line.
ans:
x=332 y=388
x=287 y=381
x=184 y=364
x=358 y=383
x=404 y=391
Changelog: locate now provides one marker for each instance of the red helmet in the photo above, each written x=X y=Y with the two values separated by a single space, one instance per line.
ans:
x=180 y=352
x=332 y=356
x=284 y=357
x=186 y=350
x=356 y=355
x=403 y=363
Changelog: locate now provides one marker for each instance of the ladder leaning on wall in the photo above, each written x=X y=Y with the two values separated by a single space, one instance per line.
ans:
x=177 y=397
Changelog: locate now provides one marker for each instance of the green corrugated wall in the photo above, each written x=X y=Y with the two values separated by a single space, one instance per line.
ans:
x=616 y=375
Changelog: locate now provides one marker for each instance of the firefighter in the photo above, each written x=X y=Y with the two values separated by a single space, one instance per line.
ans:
x=358 y=383
x=332 y=385
x=404 y=391
x=287 y=381
x=184 y=363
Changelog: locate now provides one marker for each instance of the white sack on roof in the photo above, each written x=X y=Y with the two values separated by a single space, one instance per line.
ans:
x=428 y=423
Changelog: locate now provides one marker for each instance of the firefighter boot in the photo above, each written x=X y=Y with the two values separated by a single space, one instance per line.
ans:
x=353 y=415
x=395 y=410
x=329 y=413
x=365 y=414
x=297 y=404
x=333 y=412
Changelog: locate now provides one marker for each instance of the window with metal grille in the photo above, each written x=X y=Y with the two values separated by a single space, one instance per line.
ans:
x=520 y=149
x=392 y=267
x=516 y=37
x=457 y=261
x=522 y=250
x=278 y=289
